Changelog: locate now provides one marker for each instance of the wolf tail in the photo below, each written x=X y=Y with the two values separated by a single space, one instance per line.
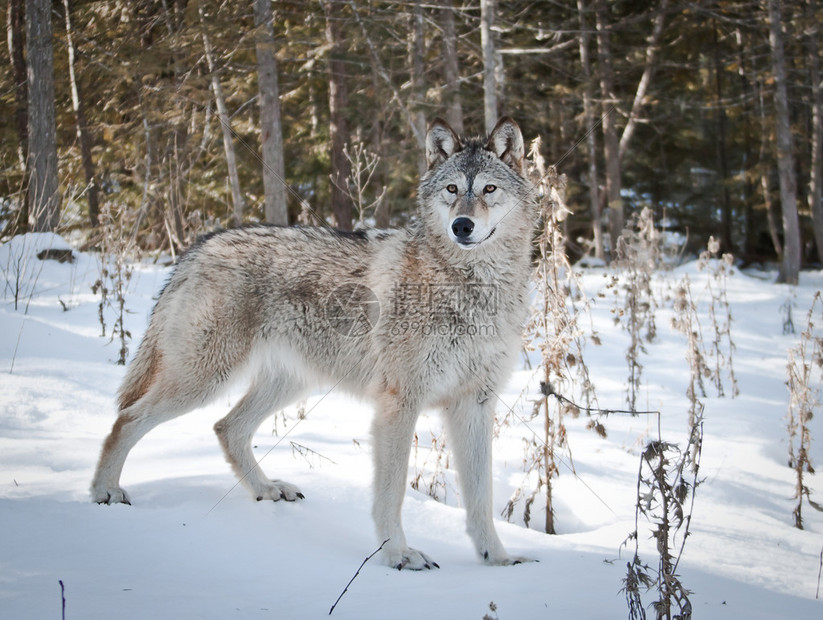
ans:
x=142 y=370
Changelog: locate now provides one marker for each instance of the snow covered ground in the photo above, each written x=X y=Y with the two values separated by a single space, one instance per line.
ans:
x=195 y=545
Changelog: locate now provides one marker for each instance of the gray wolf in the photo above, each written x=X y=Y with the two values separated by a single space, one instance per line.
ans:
x=409 y=319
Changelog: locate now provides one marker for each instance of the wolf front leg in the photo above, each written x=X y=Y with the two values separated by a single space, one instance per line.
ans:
x=392 y=432
x=469 y=423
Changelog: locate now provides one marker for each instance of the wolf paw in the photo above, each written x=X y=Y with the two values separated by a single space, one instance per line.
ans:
x=506 y=560
x=278 y=490
x=409 y=559
x=113 y=495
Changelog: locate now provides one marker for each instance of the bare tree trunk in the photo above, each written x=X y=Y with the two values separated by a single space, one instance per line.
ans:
x=16 y=38
x=611 y=144
x=416 y=52
x=590 y=120
x=341 y=203
x=173 y=13
x=722 y=156
x=44 y=197
x=816 y=176
x=238 y=203
x=749 y=111
x=490 y=112
x=382 y=212
x=652 y=47
x=271 y=127
x=83 y=137
x=785 y=156
x=765 y=185
x=451 y=69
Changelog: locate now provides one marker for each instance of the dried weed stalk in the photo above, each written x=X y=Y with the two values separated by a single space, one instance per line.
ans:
x=553 y=330
x=431 y=479
x=638 y=255
x=116 y=270
x=686 y=322
x=363 y=164
x=805 y=375
x=665 y=498
x=720 y=313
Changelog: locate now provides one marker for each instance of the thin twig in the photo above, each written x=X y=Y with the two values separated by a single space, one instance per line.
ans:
x=63 y=597
x=305 y=452
x=548 y=390
x=346 y=589
x=278 y=442
x=17 y=346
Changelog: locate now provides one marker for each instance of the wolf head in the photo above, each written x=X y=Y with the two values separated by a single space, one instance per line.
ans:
x=475 y=191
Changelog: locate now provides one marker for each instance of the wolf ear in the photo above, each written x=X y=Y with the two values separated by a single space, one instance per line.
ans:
x=441 y=143
x=506 y=141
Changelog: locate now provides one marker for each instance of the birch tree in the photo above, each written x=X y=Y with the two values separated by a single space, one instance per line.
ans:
x=83 y=137
x=590 y=121
x=815 y=194
x=611 y=143
x=16 y=39
x=790 y=267
x=490 y=109
x=451 y=68
x=417 y=47
x=225 y=125
x=341 y=203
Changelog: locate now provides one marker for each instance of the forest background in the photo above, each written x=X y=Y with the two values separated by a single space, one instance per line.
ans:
x=174 y=117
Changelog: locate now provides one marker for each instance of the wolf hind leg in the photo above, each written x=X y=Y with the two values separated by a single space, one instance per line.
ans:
x=267 y=394
x=133 y=422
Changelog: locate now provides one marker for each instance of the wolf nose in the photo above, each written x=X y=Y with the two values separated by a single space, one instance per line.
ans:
x=462 y=227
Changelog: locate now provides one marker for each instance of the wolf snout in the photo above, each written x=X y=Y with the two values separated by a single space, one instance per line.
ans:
x=462 y=227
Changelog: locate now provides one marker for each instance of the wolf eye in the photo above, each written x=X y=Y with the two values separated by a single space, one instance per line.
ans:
x=489 y=188
x=451 y=188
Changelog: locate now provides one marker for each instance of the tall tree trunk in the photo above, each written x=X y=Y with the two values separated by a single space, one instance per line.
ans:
x=83 y=137
x=451 y=68
x=271 y=127
x=749 y=111
x=652 y=47
x=765 y=168
x=382 y=211
x=238 y=203
x=611 y=144
x=490 y=111
x=16 y=38
x=590 y=120
x=174 y=12
x=341 y=202
x=416 y=52
x=44 y=198
x=816 y=175
x=722 y=156
x=785 y=155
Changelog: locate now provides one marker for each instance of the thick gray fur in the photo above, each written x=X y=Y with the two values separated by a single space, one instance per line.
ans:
x=436 y=318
